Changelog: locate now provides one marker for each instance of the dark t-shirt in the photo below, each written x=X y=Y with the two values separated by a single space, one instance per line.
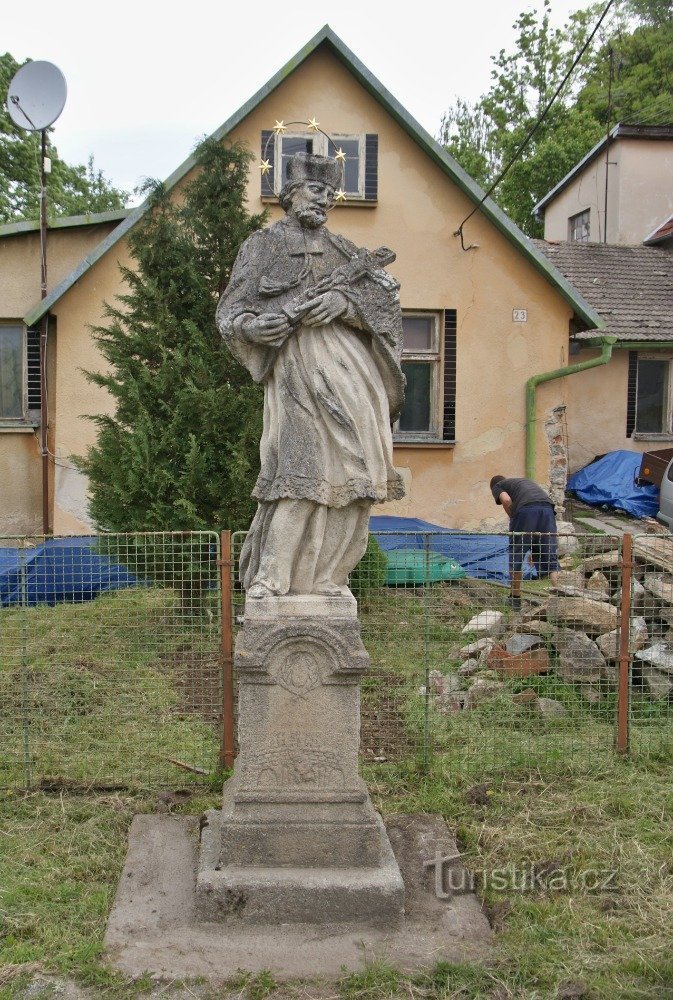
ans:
x=522 y=492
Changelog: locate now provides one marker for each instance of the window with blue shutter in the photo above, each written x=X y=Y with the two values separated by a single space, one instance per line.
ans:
x=360 y=160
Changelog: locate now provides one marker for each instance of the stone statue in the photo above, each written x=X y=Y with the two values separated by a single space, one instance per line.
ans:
x=318 y=322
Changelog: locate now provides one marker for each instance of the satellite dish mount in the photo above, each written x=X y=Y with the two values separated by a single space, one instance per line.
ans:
x=35 y=99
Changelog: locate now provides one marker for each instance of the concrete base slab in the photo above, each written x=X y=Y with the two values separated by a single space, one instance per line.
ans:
x=153 y=926
x=292 y=894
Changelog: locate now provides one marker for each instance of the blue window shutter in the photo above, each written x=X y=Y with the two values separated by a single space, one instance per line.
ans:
x=450 y=368
x=268 y=152
x=371 y=167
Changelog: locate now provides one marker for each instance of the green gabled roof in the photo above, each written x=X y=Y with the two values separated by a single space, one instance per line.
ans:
x=446 y=163
x=63 y=222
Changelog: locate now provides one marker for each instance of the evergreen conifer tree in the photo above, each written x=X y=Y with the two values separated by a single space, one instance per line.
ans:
x=180 y=451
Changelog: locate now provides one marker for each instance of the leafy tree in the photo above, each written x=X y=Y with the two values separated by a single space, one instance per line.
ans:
x=642 y=86
x=72 y=190
x=181 y=450
x=484 y=137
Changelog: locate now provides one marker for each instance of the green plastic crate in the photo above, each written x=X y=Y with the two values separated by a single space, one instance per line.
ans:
x=413 y=566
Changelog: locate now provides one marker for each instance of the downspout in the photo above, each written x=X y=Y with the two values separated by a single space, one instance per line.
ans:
x=606 y=344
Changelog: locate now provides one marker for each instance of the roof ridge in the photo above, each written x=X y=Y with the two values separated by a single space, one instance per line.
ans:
x=427 y=143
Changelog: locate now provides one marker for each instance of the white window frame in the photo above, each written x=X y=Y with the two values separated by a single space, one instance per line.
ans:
x=320 y=149
x=433 y=355
x=7 y=421
x=573 y=223
x=664 y=433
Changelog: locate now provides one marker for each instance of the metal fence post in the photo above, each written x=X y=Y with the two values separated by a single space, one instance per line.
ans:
x=25 y=709
x=227 y=751
x=622 y=734
x=426 y=654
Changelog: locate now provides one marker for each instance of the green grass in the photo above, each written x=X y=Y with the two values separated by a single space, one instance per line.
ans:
x=62 y=855
x=98 y=705
x=88 y=692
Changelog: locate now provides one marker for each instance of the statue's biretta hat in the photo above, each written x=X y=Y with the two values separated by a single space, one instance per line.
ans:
x=309 y=167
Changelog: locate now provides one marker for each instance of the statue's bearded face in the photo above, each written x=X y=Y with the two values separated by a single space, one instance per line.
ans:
x=310 y=202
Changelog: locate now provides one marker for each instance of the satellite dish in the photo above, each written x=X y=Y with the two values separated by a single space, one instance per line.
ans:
x=36 y=96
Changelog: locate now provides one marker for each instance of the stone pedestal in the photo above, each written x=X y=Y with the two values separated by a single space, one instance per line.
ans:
x=298 y=838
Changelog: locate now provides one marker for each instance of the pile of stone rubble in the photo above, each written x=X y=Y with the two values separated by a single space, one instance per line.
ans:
x=573 y=634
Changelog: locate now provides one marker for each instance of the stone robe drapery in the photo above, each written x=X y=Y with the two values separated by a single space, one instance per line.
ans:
x=331 y=391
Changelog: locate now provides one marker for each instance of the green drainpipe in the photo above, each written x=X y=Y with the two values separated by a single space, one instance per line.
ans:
x=606 y=344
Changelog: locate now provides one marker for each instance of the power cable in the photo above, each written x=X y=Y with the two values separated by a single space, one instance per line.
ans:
x=534 y=127
x=656 y=117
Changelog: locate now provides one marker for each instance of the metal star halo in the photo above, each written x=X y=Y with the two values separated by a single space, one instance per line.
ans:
x=312 y=125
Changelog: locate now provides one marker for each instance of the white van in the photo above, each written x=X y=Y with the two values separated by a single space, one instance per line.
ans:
x=665 y=514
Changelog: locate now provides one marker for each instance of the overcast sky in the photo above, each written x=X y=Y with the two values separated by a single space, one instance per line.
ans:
x=146 y=79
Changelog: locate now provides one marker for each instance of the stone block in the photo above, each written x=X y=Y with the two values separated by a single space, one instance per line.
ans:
x=280 y=894
x=297 y=835
x=579 y=658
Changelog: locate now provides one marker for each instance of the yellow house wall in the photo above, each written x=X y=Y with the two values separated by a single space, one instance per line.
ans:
x=20 y=461
x=79 y=308
x=596 y=415
x=417 y=213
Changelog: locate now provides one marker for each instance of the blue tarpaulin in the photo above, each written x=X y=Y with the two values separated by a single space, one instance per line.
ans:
x=484 y=557
x=611 y=482
x=61 y=569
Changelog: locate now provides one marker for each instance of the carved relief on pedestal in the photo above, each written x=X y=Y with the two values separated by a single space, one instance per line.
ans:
x=293 y=761
x=302 y=655
x=298 y=667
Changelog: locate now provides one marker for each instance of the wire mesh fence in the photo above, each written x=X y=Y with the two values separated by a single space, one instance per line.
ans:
x=457 y=672
x=650 y=607
x=115 y=655
x=489 y=686
x=109 y=659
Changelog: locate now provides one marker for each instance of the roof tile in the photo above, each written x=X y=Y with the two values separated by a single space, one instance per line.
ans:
x=631 y=287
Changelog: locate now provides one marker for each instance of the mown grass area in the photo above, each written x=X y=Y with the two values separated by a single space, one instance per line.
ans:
x=571 y=846
x=102 y=692
x=608 y=931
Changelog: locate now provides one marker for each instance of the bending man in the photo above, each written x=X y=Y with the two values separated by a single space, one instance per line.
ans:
x=533 y=523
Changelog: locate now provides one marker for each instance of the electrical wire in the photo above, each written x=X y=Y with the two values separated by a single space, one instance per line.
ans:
x=656 y=117
x=534 y=127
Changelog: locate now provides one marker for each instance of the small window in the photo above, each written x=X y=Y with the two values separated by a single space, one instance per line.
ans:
x=654 y=395
x=12 y=372
x=578 y=227
x=421 y=365
x=352 y=146
x=289 y=145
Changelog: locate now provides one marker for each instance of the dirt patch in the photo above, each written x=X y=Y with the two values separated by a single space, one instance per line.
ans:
x=497 y=914
x=384 y=732
x=468 y=593
x=197 y=678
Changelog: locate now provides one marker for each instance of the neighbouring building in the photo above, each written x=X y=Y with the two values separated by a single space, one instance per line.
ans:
x=621 y=192
x=626 y=402
x=480 y=323
x=623 y=266
x=69 y=241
